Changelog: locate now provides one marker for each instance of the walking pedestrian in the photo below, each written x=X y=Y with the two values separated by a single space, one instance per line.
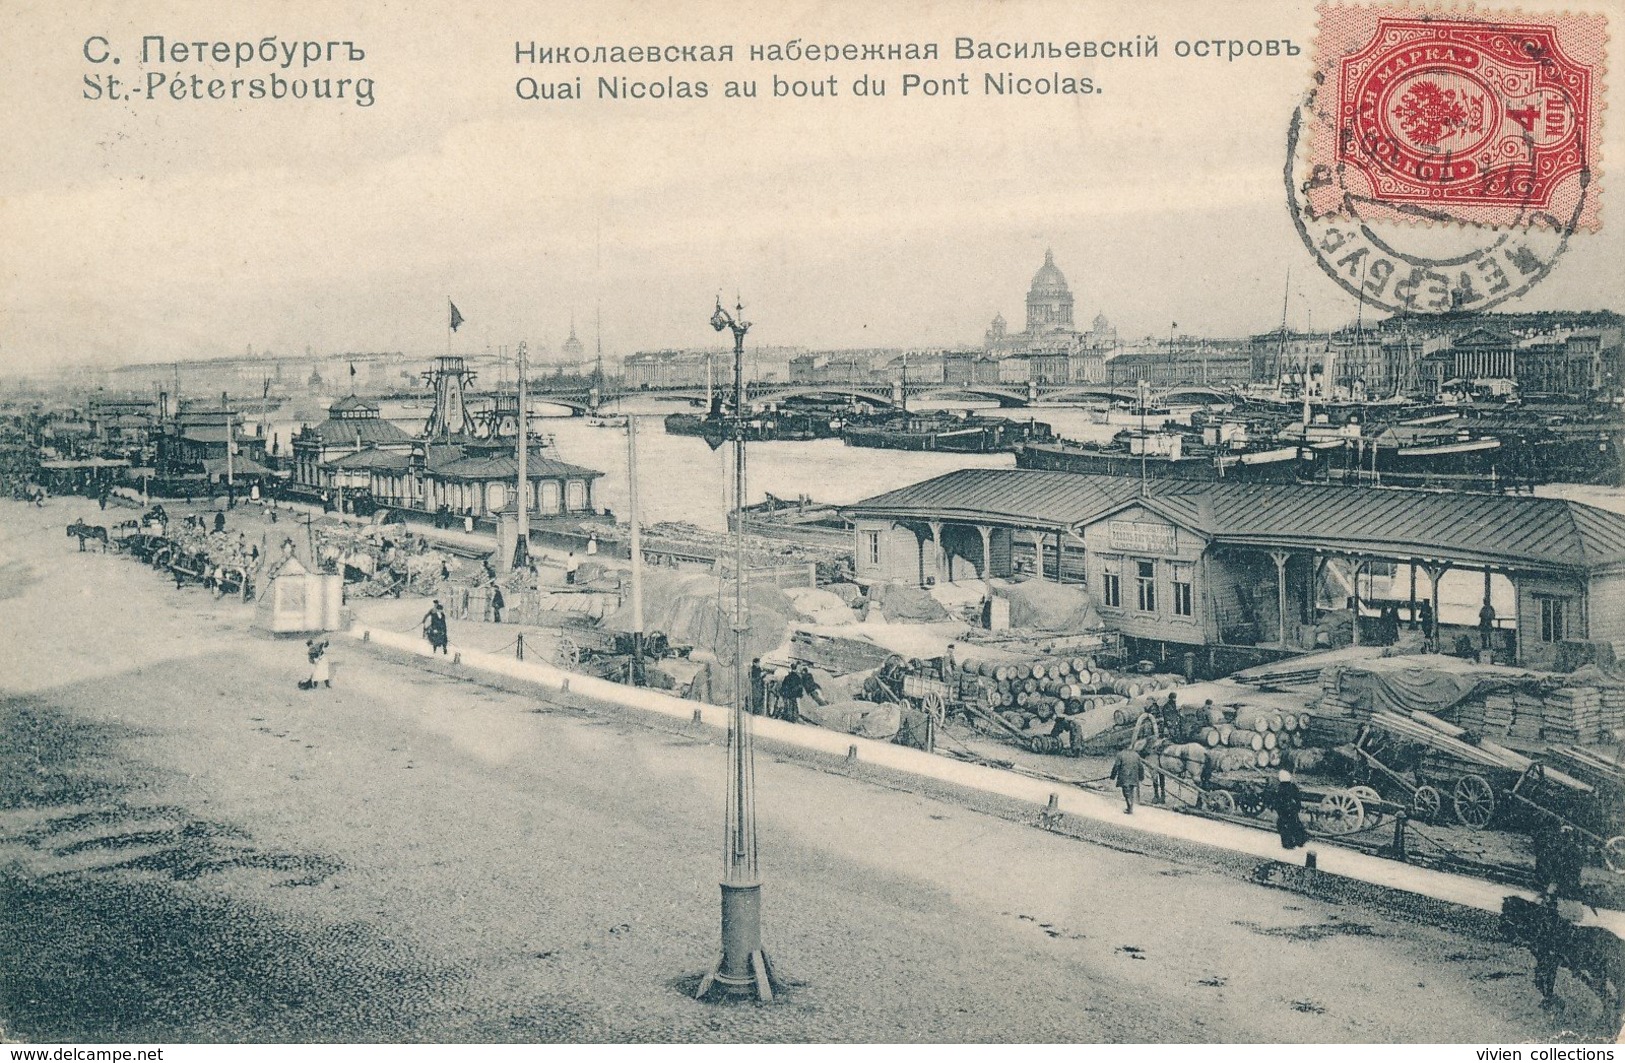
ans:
x=1288 y=802
x=434 y=628
x=1127 y=771
x=570 y=566
x=497 y=603
x=219 y=521
x=320 y=670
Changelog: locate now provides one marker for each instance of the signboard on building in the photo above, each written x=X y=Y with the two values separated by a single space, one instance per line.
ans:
x=1141 y=537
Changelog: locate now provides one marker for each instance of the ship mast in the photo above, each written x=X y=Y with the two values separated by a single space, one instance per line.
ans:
x=521 y=547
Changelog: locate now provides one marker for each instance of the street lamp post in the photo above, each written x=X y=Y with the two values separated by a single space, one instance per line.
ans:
x=743 y=969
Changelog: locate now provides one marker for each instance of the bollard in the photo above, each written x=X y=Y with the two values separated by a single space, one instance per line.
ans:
x=851 y=753
x=366 y=636
x=457 y=658
x=698 y=718
x=519 y=646
x=564 y=686
x=1309 y=859
x=1399 y=835
x=1054 y=802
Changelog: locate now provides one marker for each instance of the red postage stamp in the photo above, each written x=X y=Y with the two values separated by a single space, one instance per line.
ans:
x=1484 y=118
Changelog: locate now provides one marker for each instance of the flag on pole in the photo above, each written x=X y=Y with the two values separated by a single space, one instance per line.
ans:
x=352 y=370
x=456 y=318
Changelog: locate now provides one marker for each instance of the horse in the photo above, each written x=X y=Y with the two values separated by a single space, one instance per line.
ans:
x=1594 y=954
x=88 y=531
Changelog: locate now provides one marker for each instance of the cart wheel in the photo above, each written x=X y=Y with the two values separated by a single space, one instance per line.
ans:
x=1219 y=801
x=1249 y=802
x=1425 y=804
x=1366 y=794
x=1339 y=812
x=1474 y=801
x=568 y=652
x=1613 y=854
x=934 y=706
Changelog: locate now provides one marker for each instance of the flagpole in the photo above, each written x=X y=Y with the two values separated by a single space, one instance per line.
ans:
x=449 y=306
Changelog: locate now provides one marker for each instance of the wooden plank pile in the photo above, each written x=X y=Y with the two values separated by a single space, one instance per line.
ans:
x=1446 y=740
x=1567 y=714
x=1332 y=700
x=1613 y=709
x=839 y=656
x=1572 y=714
x=1593 y=766
x=1504 y=713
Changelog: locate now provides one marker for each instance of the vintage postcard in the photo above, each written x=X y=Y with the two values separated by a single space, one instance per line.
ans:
x=912 y=522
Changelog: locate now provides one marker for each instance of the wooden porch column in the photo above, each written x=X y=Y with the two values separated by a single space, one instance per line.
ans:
x=1060 y=555
x=1359 y=566
x=1517 y=618
x=939 y=556
x=1281 y=557
x=1413 y=594
x=987 y=550
x=1435 y=574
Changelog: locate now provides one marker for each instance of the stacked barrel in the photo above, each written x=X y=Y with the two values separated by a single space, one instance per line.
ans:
x=1256 y=738
x=1024 y=692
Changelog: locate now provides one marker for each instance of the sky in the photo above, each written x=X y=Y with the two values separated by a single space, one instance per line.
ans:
x=145 y=230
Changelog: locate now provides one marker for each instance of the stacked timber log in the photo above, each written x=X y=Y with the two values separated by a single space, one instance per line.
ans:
x=1024 y=692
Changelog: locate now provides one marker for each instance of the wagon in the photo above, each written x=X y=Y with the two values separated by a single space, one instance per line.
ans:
x=1328 y=810
x=1580 y=789
x=1438 y=767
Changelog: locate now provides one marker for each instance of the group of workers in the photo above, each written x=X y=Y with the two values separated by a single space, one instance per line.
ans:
x=779 y=695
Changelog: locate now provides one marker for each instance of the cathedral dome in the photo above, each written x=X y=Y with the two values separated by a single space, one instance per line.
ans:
x=1048 y=280
x=1049 y=301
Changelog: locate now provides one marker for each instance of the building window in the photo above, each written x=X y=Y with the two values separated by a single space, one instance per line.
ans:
x=1111 y=585
x=871 y=542
x=1145 y=578
x=1553 y=613
x=1184 y=600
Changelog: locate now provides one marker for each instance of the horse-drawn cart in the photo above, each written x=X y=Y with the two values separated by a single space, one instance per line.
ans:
x=1580 y=789
x=1245 y=794
x=1435 y=766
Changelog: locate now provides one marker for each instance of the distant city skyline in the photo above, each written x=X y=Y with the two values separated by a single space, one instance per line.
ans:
x=151 y=232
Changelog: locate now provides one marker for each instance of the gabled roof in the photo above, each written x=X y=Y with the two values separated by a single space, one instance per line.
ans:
x=1483 y=337
x=352 y=404
x=1028 y=498
x=1468 y=529
x=337 y=432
